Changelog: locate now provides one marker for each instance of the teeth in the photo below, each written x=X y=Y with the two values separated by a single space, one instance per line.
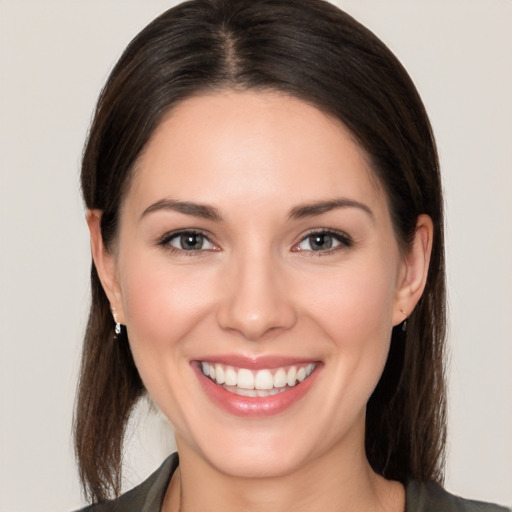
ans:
x=291 y=376
x=280 y=378
x=264 y=380
x=230 y=376
x=253 y=392
x=246 y=392
x=219 y=374
x=256 y=383
x=245 y=379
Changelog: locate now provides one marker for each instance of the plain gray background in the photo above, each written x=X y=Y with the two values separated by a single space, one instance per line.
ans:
x=54 y=57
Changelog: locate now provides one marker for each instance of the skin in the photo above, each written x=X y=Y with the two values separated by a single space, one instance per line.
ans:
x=257 y=288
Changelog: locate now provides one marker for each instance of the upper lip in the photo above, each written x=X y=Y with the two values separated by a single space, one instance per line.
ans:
x=256 y=363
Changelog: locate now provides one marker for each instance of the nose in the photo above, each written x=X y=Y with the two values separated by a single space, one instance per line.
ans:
x=256 y=300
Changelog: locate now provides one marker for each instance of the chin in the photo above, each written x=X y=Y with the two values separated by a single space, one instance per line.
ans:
x=257 y=463
x=260 y=454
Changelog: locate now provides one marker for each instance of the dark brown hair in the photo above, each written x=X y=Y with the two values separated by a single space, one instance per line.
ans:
x=311 y=50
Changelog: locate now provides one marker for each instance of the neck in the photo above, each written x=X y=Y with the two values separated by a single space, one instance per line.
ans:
x=329 y=483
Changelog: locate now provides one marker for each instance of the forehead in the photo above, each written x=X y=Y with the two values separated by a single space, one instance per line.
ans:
x=243 y=146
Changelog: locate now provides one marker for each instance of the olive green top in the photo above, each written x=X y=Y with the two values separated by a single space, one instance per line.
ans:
x=421 y=497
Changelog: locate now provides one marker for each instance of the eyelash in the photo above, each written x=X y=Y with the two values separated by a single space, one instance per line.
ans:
x=344 y=242
x=165 y=242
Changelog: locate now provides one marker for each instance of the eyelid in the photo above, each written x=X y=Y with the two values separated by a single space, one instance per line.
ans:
x=345 y=241
x=165 y=239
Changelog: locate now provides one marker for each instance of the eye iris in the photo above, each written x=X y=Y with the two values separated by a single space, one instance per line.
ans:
x=320 y=241
x=191 y=241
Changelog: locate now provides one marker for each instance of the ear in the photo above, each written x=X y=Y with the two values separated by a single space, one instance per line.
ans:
x=105 y=263
x=414 y=270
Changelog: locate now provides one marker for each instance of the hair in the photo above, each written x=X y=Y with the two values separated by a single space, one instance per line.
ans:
x=310 y=50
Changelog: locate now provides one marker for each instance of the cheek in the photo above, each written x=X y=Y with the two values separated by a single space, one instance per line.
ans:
x=354 y=309
x=356 y=302
x=162 y=304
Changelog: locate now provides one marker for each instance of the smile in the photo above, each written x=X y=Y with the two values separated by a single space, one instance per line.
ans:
x=256 y=383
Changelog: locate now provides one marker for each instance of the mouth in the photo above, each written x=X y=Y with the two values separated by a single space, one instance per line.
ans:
x=256 y=389
x=256 y=383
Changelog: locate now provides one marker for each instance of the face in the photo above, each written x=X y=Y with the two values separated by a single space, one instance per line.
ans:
x=258 y=275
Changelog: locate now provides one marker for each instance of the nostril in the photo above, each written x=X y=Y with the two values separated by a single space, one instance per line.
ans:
x=256 y=323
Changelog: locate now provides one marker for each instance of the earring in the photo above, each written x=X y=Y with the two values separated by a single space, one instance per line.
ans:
x=117 y=328
x=404 y=323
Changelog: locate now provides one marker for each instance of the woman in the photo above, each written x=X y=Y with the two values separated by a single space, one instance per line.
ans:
x=266 y=225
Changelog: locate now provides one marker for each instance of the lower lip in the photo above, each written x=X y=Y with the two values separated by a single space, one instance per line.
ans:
x=248 y=406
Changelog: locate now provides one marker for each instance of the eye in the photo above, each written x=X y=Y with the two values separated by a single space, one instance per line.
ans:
x=188 y=241
x=324 y=241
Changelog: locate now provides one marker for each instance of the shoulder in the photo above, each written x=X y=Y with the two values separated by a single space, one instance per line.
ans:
x=431 y=497
x=146 y=497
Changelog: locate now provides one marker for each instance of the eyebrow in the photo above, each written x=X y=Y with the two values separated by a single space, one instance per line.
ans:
x=195 y=209
x=210 y=213
x=312 y=209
